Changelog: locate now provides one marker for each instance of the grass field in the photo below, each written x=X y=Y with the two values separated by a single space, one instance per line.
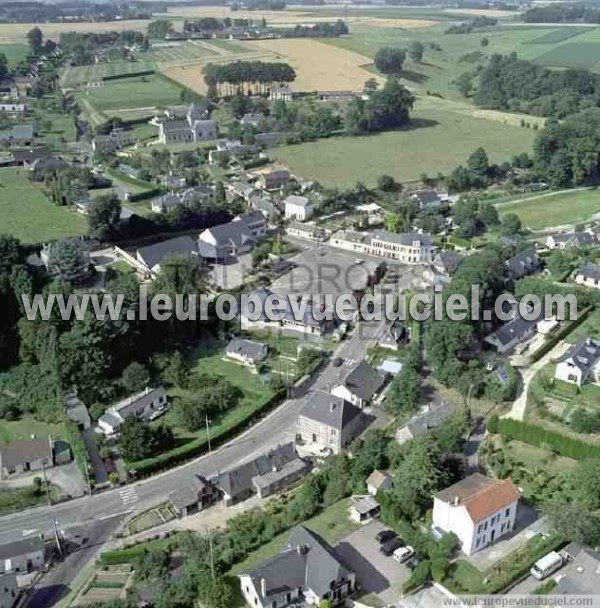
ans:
x=14 y=53
x=24 y=428
x=138 y=92
x=580 y=55
x=27 y=214
x=185 y=51
x=73 y=76
x=438 y=140
x=555 y=209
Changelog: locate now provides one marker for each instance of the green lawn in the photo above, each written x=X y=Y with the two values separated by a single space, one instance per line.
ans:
x=138 y=92
x=23 y=498
x=555 y=209
x=24 y=428
x=332 y=525
x=27 y=214
x=73 y=76
x=441 y=136
x=14 y=53
x=590 y=327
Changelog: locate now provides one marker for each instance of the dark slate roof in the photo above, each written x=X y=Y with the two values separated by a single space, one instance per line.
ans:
x=238 y=480
x=590 y=271
x=272 y=477
x=519 y=265
x=21 y=547
x=515 y=328
x=152 y=255
x=307 y=562
x=584 y=354
x=363 y=381
x=254 y=350
x=447 y=260
x=234 y=233
x=427 y=196
x=404 y=238
x=23 y=450
x=579 y=238
x=176 y=126
x=433 y=419
x=329 y=409
x=30 y=155
x=49 y=163
x=183 y=497
x=139 y=401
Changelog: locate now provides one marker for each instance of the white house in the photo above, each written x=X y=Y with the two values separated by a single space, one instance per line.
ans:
x=247 y=351
x=298 y=208
x=478 y=509
x=149 y=403
x=565 y=240
x=580 y=363
x=22 y=556
x=378 y=480
x=360 y=385
x=589 y=275
x=8 y=590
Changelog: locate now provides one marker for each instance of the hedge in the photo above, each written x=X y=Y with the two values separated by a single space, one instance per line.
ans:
x=130 y=75
x=142 y=196
x=198 y=447
x=122 y=556
x=545 y=438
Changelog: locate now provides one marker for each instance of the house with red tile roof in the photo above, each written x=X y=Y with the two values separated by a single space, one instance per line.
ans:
x=478 y=509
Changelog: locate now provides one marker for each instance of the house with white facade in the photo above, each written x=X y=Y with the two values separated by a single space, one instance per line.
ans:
x=407 y=247
x=9 y=591
x=478 y=509
x=360 y=385
x=304 y=573
x=193 y=128
x=378 y=481
x=298 y=208
x=146 y=404
x=23 y=555
x=566 y=240
x=580 y=363
x=589 y=276
x=247 y=352
x=306 y=231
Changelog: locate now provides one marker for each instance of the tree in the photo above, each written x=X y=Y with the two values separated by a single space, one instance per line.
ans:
x=389 y=60
x=307 y=359
x=484 y=42
x=104 y=215
x=572 y=520
x=558 y=263
x=511 y=224
x=404 y=392
x=478 y=163
x=416 y=50
x=35 y=39
x=489 y=215
x=220 y=195
x=464 y=84
x=3 y=65
x=135 y=377
x=159 y=29
x=69 y=260
x=136 y=439
x=586 y=483
x=175 y=371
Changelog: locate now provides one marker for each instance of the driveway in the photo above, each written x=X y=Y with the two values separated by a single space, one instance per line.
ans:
x=89 y=439
x=376 y=573
x=428 y=597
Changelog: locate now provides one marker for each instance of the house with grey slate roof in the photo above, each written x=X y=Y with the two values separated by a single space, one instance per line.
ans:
x=328 y=422
x=268 y=473
x=511 y=333
x=360 y=385
x=419 y=425
x=566 y=240
x=149 y=403
x=151 y=256
x=247 y=352
x=23 y=555
x=589 y=275
x=524 y=263
x=580 y=363
x=25 y=455
x=306 y=572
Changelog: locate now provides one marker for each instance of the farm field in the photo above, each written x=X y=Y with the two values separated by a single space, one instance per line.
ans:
x=27 y=214
x=555 y=209
x=14 y=53
x=439 y=139
x=581 y=55
x=76 y=75
x=138 y=92
x=181 y=52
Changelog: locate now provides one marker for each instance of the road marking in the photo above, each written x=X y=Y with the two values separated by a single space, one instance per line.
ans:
x=128 y=495
x=28 y=532
x=105 y=517
x=350 y=362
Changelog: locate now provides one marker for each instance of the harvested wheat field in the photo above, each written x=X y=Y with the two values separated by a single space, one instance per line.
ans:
x=319 y=66
x=484 y=12
x=11 y=33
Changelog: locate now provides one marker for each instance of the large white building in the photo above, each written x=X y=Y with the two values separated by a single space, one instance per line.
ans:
x=298 y=208
x=478 y=509
x=580 y=363
x=406 y=247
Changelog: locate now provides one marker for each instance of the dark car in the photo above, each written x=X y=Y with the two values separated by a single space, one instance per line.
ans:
x=389 y=547
x=385 y=535
x=337 y=362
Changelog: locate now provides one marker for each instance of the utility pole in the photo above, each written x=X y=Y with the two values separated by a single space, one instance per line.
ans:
x=212 y=557
x=57 y=537
x=208 y=434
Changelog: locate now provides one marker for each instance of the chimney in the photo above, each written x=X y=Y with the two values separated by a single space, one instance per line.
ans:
x=456 y=501
x=263 y=587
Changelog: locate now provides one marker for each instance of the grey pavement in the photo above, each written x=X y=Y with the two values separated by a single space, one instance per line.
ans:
x=89 y=439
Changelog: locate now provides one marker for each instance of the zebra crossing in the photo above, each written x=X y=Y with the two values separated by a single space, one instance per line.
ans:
x=350 y=362
x=128 y=496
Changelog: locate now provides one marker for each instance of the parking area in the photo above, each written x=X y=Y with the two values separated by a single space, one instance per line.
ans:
x=428 y=597
x=377 y=573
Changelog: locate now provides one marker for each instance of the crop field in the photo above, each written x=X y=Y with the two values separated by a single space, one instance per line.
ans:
x=581 y=55
x=73 y=76
x=556 y=36
x=437 y=140
x=138 y=92
x=182 y=52
x=27 y=214
x=551 y=210
x=14 y=53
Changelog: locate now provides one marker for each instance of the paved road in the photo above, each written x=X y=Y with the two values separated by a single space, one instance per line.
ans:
x=274 y=429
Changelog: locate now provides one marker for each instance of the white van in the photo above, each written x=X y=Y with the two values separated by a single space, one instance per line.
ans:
x=546 y=565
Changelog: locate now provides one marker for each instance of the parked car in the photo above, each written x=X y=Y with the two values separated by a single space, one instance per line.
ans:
x=337 y=362
x=388 y=548
x=403 y=554
x=385 y=535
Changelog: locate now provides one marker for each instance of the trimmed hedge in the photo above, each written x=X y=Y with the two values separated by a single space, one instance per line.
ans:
x=130 y=75
x=198 y=447
x=122 y=556
x=142 y=196
x=545 y=438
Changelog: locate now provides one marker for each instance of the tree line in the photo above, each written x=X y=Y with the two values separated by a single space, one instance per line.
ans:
x=562 y=13
x=246 y=76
